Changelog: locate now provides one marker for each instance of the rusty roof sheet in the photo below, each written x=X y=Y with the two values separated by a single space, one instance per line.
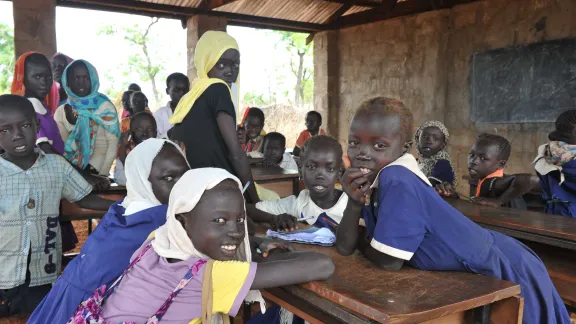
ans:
x=179 y=3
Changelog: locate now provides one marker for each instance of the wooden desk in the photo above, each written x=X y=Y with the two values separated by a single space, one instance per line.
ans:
x=358 y=292
x=283 y=182
x=552 y=237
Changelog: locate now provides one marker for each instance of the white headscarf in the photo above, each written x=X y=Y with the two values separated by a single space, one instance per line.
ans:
x=137 y=169
x=171 y=239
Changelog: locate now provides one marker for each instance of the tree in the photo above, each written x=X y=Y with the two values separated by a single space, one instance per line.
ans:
x=300 y=64
x=7 y=59
x=142 y=63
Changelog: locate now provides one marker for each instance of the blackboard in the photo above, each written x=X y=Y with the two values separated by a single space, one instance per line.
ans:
x=524 y=84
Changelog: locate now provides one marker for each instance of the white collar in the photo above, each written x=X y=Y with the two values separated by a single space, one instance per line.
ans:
x=543 y=167
x=38 y=106
x=409 y=162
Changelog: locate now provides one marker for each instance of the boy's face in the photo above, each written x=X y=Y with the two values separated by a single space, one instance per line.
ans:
x=227 y=67
x=375 y=140
x=483 y=160
x=312 y=122
x=253 y=126
x=320 y=171
x=59 y=63
x=143 y=129
x=431 y=141
x=273 y=150
x=176 y=89
x=138 y=102
x=18 y=132
x=37 y=79
x=79 y=80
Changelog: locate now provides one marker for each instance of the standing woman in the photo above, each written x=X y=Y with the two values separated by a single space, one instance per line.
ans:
x=205 y=118
x=88 y=122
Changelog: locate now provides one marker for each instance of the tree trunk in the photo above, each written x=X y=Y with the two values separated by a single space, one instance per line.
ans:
x=298 y=91
x=150 y=73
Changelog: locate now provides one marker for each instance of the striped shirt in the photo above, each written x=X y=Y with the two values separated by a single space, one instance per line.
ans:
x=29 y=210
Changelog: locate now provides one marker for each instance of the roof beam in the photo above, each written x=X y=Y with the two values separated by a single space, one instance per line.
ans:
x=161 y=10
x=363 y=3
x=392 y=9
x=336 y=15
x=213 y=4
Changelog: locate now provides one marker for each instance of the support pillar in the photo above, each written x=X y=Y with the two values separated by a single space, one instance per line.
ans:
x=196 y=27
x=327 y=80
x=34 y=26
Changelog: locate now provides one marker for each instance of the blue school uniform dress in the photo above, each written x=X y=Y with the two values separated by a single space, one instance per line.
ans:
x=102 y=259
x=410 y=221
x=558 y=184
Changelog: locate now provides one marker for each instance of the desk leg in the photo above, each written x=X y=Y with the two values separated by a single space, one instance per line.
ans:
x=89 y=226
x=508 y=311
x=482 y=315
x=296 y=186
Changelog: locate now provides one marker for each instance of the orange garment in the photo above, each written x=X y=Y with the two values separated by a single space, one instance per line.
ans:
x=497 y=174
x=18 y=87
x=305 y=135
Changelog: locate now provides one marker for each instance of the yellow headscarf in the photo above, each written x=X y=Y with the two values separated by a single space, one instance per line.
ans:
x=209 y=49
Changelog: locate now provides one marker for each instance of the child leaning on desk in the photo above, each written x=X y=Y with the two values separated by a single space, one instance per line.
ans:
x=32 y=184
x=407 y=221
x=321 y=158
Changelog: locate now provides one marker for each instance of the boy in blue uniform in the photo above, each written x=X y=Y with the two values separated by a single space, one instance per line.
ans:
x=32 y=184
x=556 y=167
x=407 y=221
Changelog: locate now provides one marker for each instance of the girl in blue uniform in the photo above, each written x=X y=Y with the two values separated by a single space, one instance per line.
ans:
x=407 y=221
x=152 y=169
x=556 y=167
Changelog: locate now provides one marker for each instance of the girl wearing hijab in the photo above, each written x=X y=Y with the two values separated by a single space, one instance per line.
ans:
x=205 y=118
x=88 y=122
x=200 y=263
x=152 y=169
x=433 y=159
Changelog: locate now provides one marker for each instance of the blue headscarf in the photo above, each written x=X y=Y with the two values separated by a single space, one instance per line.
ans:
x=94 y=110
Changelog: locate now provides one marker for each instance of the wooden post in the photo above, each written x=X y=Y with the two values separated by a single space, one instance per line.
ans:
x=327 y=79
x=34 y=26
x=197 y=26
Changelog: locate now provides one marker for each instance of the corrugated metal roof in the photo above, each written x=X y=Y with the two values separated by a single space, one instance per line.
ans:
x=356 y=9
x=179 y=3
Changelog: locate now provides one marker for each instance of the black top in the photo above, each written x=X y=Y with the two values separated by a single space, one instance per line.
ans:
x=205 y=146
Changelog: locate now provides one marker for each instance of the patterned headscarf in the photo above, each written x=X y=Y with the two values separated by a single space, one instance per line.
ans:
x=18 y=88
x=94 y=110
x=427 y=164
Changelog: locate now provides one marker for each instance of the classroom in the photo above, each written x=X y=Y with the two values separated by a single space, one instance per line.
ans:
x=433 y=182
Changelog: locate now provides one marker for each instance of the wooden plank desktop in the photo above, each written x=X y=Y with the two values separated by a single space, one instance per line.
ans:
x=283 y=182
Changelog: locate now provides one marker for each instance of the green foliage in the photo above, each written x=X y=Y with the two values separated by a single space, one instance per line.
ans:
x=7 y=58
x=253 y=99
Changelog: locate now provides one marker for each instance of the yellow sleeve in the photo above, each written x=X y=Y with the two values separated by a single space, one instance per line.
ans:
x=152 y=235
x=228 y=281
x=265 y=194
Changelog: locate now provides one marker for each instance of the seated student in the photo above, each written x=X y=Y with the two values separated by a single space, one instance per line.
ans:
x=407 y=221
x=31 y=251
x=152 y=169
x=134 y=87
x=138 y=103
x=254 y=124
x=203 y=244
x=556 y=167
x=126 y=109
x=59 y=62
x=142 y=127
x=33 y=80
x=321 y=162
x=88 y=122
x=434 y=161
x=313 y=124
x=177 y=85
x=274 y=150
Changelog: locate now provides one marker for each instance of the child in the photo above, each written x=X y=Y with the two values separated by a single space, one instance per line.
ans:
x=152 y=169
x=406 y=221
x=556 y=167
x=88 y=122
x=274 y=150
x=126 y=109
x=434 y=160
x=138 y=103
x=59 y=62
x=134 y=87
x=204 y=242
x=33 y=79
x=142 y=127
x=321 y=162
x=31 y=251
x=253 y=125
x=313 y=123
x=177 y=85
x=205 y=119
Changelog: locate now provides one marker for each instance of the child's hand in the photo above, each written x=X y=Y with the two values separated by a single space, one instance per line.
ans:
x=268 y=163
x=445 y=189
x=284 y=222
x=356 y=185
x=269 y=246
x=124 y=139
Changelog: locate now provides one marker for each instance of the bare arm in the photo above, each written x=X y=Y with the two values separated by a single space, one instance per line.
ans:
x=238 y=158
x=296 y=151
x=94 y=202
x=295 y=268
x=381 y=260
x=347 y=231
x=512 y=187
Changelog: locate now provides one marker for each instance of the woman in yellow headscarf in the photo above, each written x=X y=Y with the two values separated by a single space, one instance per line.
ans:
x=205 y=118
